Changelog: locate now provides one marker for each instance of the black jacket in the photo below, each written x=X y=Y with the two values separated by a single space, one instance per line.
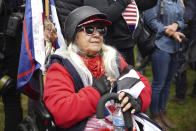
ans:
x=118 y=34
x=64 y=7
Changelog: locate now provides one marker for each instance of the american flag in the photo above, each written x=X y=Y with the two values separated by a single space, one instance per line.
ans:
x=131 y=16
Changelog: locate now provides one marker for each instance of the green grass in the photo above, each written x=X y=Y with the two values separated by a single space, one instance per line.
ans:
x=183 y=115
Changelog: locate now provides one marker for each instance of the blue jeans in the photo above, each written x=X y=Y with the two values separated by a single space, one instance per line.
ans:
x=164 y=66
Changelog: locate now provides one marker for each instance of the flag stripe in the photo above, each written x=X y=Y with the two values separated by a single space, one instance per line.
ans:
x=131 y=7
x=27 y=44
x=127 y=18
x=131 y=16
x=60 y=41
x=130 y=11
x=134 y=16
x=130 y=20
x=38 y=32
x=25 y=40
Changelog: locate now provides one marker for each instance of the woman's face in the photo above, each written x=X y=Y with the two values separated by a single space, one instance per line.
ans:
x=89 y=39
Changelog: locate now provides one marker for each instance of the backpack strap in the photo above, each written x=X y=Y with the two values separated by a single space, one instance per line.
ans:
x=126 y=69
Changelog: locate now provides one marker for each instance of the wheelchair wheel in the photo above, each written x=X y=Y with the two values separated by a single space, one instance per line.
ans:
x=27 y=125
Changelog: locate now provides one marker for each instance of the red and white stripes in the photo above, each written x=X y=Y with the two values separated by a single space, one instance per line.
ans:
x=131 y=16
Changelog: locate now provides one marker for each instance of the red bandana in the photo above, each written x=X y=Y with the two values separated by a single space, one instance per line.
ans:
x=95 y=65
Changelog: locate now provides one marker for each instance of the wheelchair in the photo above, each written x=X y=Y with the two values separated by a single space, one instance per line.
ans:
x=38 y=118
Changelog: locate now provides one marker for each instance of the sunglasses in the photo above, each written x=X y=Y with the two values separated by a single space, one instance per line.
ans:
x=91 y=29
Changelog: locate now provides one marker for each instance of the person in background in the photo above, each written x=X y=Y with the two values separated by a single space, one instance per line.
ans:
x=180 y=80
x=181 y=86
x=10 y=38
x=120 y=35
x=164 y=59
x=190 y=17
x=80 y=75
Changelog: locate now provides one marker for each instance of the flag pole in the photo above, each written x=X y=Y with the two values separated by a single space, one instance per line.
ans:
x=47 y=9
x=47 y=18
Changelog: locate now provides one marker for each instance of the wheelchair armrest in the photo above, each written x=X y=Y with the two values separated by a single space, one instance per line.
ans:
x=42 y=111
x=38 y=105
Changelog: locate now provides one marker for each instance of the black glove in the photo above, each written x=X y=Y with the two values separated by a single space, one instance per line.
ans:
x=102 y=85
x=135 y=103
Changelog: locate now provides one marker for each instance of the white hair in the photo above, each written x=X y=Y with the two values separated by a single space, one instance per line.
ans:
x=110 y=61
x=109 y=57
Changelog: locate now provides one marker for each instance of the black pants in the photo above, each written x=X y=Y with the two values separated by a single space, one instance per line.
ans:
x=11 y=98
x=13 y=110
x=181 y=77
x=181 y=84
x=193 y=67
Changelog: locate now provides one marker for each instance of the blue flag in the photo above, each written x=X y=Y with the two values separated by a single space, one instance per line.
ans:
x=32 y=55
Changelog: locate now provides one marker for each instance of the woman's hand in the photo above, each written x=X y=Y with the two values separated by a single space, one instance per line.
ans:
x=168 y=32
x=178 y=36
x=170 y=29
x=129 y=103
x=102 y=84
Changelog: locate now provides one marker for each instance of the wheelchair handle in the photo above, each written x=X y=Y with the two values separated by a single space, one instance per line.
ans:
x=100 y=109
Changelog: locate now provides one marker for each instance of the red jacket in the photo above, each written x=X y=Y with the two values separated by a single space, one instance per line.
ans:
x=68 y=107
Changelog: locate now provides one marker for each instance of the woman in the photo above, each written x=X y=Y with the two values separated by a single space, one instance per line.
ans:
x=79 y=76
x=190 y=16
x=165 y=57
x=120 y=35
